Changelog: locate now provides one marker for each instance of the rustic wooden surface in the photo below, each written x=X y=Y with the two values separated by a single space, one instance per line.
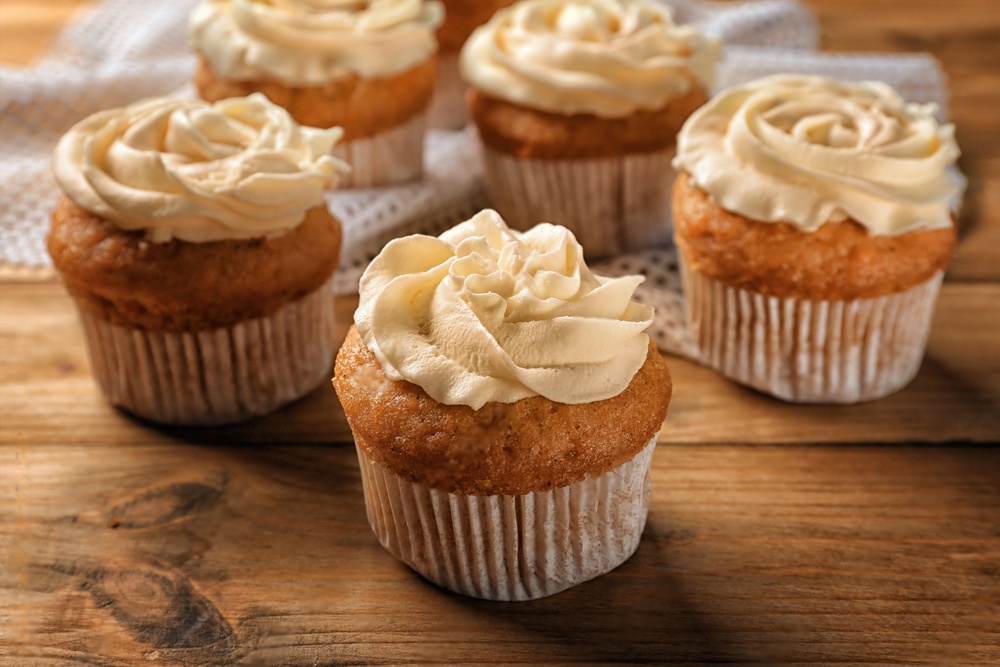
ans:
x=770 y=540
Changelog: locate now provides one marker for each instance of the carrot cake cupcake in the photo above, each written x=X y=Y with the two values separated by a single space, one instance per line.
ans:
x=814 y=222
x=460 y=19
x=368 y=67
x=578 y=104
x=196 y=243
x=505 y=403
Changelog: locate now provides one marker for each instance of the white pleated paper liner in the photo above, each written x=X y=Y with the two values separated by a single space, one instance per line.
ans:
x=448 y=110
x=612 y=205
x=807 y=351
x=221 y=376
x=511 y=547
x=389 y=158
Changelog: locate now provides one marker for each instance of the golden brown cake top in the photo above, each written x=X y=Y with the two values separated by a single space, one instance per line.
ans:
x=180 y=286
x=309 y=43
x=361 y=107
x=530 y=133
x=607 y=58
x=533 y=444
x=838 y=261
x=184 y=169
x=808 y=150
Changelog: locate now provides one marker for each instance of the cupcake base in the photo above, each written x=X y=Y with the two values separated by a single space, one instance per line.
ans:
x=511 y=547
x=612 y=205
x=391 y=157
x=810 y=351
x=207 y=378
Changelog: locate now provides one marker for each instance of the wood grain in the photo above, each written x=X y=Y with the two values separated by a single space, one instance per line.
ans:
x=125 y=544
x=179 y=553
x=48 y=395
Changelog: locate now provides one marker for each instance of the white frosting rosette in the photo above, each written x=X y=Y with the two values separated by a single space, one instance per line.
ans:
x=311 y=42
x=609 y=58
x=483 y=313
x=198 y=172
x=809 y=150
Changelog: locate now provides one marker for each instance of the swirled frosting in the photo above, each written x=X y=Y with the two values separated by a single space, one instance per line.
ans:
x=609 y=58
x=311 y=42
x=198 y=172
x=483 y=313
x=809 y=150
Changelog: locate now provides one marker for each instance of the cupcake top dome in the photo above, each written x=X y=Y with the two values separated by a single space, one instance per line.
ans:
x=608 y=58
x=198 y=172
x=483 y=314
x=809 y=150
x=310 y=42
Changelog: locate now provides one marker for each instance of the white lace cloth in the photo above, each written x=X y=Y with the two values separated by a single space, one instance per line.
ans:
x=121 y=51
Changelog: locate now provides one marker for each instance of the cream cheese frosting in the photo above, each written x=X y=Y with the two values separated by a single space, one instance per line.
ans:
x=198 y=172
x=312 y=42
x=809 y=150
x=609 y=58
x=484 y=313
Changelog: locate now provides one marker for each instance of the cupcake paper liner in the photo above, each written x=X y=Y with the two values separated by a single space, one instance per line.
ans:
x=808 y=351
x=219 y=376
x=511 y=547
x=448 y=110
x=390 y=157
x=613 y=205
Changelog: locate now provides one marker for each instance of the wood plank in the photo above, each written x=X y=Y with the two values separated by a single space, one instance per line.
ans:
x=28 y=27
x=47 y=395
x=180 y=553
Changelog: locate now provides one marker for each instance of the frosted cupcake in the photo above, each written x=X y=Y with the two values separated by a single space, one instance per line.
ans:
x=814 y=223
x=578 y=104
x=461 y=18
x=196 y=244
x=368 y=67
x=505 y=403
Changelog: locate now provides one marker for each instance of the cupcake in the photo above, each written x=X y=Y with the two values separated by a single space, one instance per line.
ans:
x=505 y=403
x=461 y=17
x=195 y=241
x=368 y=67
x=814 y=222
x=578 y=104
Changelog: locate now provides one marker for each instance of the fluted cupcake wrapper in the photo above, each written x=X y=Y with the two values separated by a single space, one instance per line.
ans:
x=612 y=205
x=219 y=376
x=388 y=158
x=511 y=547
x=448 y=110
x=810 y=351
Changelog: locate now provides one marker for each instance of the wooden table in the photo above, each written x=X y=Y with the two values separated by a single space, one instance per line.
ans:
x=778 y=534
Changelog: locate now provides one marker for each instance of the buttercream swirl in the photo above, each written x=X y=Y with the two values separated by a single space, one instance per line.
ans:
x=808 y=150
x=198 y=172
x=483 y=313
x=312 y=42
x=608 y=58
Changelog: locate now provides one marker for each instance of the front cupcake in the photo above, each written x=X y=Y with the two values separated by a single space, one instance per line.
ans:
x=578 y=104
x=195 y=241
x=814 y=222
x=368 y=67
x=505 y=403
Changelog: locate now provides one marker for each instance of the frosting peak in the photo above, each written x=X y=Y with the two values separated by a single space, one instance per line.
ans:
x=809 y=150
x=609 y=58
x=198 y=172
x=484 y=313
x=312 y=42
